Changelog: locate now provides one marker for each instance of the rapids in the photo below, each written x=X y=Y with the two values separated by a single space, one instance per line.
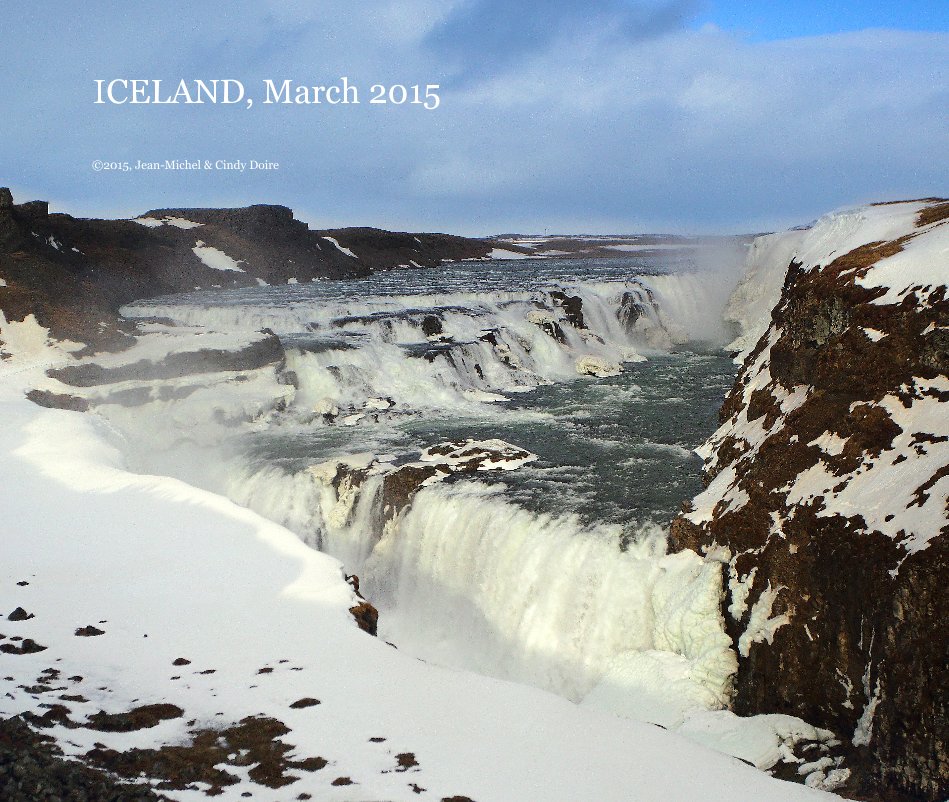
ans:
x=554 y=573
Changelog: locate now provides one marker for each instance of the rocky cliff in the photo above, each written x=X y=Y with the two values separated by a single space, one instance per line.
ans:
x=827 y=491
x=73 y=273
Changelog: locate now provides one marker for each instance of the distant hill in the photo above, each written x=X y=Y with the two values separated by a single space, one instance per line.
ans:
x=74 y=273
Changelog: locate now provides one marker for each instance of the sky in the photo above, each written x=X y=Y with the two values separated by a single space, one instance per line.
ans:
x=608 y=116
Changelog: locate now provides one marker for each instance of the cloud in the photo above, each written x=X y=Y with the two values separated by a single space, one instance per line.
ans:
x=480 y=38
x=589 y=127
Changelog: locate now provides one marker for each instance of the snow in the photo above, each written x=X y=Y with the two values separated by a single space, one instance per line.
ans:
x=216 y=259
x=503 y=253
x=3 y=282
x=341 y=248
x=168 y=570
x=180 y=222
x=651 y=685
x=839 y=233
x=177 y=222
x=830 y=443
x=658 y=246
x=26 y=338
x=491 y=455
x=923 y=262
x=161 y=340
x=763 y=741
x=884 y=490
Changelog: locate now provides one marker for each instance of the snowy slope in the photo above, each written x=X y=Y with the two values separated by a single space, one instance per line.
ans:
x=882 y=492
x=828 y=483
x=831 y=236
x=166 y=572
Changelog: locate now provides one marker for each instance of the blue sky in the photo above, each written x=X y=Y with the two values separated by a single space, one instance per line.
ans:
x=784 y=20
x=605 y=116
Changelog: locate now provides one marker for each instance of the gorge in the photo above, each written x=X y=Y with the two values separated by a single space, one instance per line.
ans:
x=496 y=449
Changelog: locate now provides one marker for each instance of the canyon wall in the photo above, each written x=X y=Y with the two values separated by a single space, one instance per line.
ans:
x=826 y=491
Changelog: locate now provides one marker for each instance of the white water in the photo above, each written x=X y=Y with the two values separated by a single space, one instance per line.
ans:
x=353 y=350
x=464 y=576
x=483 y=584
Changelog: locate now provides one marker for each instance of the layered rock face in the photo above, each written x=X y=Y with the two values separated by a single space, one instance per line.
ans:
x=74 y=274
x=827 y=493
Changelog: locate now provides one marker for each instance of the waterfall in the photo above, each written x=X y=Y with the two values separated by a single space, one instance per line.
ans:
x=441 y=350
x=462 y=575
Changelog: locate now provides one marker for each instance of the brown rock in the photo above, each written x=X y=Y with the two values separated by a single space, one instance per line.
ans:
x=306 y=701
x=367 y=617
x=138 y=718
x=867 y=627
x=89 y=632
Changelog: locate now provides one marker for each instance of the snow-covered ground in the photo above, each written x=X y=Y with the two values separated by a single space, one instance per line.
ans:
x=167 y=571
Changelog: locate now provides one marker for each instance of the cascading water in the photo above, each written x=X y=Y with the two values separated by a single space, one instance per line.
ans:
x=555 y=573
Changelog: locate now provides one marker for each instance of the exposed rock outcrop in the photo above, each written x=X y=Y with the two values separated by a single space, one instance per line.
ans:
x=400 y=482
x=32 y=769
x=827 y=498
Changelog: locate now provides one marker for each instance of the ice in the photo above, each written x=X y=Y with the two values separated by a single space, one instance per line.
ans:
x=864 y=729
x=592 y=365
x=760 y=289
x=761 y=626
